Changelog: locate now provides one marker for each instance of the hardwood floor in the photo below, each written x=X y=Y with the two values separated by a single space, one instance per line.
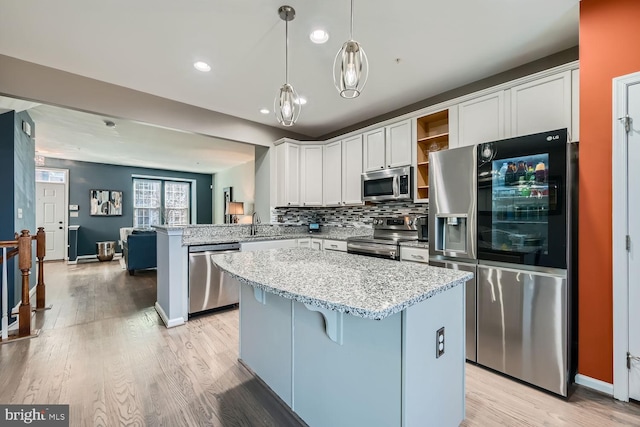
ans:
x=104 y=351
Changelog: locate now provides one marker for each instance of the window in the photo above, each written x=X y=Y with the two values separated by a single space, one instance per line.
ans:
x=160 y=202
x=47 y=175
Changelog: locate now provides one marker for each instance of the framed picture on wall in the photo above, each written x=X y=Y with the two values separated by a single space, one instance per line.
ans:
x=106 y=202
x=227 y=194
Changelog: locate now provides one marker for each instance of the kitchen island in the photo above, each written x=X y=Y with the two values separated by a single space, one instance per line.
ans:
x=347 y=340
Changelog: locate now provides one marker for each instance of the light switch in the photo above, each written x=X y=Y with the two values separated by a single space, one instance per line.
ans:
x=73 y=214
x=73 y=207
x=19 y=213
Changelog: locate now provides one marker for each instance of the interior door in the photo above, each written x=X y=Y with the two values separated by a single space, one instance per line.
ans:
x=50 y=200
x=634 y=232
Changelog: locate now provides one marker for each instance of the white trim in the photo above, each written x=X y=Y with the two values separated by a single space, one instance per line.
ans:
x=169 y=323
x=194 y=192
x=93 y=258
x=594 y=384
x=620 y=230
x=65 y=251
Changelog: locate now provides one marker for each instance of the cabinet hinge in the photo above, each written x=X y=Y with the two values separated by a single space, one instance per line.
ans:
x=628 y=243
x=626 y=120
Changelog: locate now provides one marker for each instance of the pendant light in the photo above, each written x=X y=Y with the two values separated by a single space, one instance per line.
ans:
x=351 y=67
x=287 y=105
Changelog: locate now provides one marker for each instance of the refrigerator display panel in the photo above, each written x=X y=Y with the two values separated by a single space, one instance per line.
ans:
x=521 y=212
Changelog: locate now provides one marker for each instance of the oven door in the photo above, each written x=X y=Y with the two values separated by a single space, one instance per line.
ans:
x=379 y=250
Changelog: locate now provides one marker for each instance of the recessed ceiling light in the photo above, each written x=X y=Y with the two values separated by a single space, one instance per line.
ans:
x=319 y=36
x=202 y=66
x=301 y=100
x=264 y=111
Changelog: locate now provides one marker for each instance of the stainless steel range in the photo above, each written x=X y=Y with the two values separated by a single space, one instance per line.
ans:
x=388 y=232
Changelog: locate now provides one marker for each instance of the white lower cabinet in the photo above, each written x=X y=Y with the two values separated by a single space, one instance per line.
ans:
x=414 y=254
x=304 y=243
x=335 y=245
x=316 y=244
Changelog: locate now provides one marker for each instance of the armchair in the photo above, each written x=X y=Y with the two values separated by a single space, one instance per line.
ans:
x=139 y=251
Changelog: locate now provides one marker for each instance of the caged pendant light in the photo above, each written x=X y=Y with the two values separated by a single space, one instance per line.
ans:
x=351 y=67
x=287 y=105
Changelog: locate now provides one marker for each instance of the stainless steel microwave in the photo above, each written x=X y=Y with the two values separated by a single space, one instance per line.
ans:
x=387 y=184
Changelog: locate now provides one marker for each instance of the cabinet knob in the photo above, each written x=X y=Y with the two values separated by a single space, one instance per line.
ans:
x=388 y=166
x=289 y=204
x=381 y=167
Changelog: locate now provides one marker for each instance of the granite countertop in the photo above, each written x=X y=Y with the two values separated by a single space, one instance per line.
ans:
x=202 y=235
x=362 y=286
x=415 y=244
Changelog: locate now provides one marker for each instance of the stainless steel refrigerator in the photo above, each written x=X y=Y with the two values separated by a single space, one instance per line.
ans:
x=452 y=223
x=524 y=244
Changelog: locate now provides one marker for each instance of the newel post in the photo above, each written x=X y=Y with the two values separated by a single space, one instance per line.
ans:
x=24 y=264
x=41 y=249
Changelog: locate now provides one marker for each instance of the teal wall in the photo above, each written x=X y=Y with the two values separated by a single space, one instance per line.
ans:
x=17 y=174
x=86 y=176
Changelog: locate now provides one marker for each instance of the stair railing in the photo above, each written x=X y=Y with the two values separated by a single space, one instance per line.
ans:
x=22 y=247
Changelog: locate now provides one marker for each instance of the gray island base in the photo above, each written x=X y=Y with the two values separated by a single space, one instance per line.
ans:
x=347 y=340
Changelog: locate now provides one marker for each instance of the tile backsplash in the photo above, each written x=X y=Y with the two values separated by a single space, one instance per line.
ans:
x=346 y=216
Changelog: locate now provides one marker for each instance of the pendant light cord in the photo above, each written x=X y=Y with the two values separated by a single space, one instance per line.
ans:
x=286 y=52
x=351 y=30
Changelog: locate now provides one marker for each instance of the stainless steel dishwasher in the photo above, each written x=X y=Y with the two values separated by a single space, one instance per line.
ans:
x=209 y=287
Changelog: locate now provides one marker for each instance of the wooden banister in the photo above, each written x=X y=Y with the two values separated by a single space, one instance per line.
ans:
x=24 y=264
x=24 y=249
x=41 y=250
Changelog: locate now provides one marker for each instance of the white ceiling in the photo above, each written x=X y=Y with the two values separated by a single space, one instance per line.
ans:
x=150 y=45
x=66 y=134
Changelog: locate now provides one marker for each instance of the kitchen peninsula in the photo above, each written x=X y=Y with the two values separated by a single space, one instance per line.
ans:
x=349 y=340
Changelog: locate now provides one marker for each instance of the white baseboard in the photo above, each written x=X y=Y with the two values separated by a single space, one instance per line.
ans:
x=169 y=323
x=594 y=384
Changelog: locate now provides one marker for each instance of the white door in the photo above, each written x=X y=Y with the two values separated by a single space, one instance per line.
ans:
x=352 y=170
x=541 y=105
x=633 y=147
x=332 y=175
x=374 y=151
x=311 y=174
x=398 y=146
x=50 y=200
x=481 y=119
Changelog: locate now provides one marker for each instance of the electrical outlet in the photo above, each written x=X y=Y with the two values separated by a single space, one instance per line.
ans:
x=439 y=342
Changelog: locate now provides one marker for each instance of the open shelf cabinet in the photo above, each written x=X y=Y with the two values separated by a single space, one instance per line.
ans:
x=433 y=135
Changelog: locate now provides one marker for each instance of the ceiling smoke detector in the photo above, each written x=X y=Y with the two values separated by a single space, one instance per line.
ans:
x=109 y=124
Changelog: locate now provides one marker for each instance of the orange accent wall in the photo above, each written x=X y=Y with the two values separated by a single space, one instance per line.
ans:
x=609 y=35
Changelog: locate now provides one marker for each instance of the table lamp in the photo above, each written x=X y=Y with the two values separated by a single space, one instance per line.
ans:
x=234 y=209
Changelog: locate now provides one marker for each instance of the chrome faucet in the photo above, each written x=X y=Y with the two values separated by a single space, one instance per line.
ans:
x=255 y=220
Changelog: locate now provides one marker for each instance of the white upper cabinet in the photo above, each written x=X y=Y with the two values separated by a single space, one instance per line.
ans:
x=374 y=151
x=398 y=144
x=481 y=120
x=332 y=177
x=352 y=170
x=388 y=147
x=541 y=105
x=575 y=105
x=287 y=174
x=311 y=175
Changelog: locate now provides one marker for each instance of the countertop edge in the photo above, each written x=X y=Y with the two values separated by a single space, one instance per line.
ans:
x=342 y=308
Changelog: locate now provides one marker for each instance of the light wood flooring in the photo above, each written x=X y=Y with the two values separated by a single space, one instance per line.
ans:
x=104 y=351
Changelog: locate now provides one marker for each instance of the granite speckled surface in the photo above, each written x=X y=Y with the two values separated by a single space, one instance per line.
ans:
x=362 y=286
x=224 y=233
x=415 y=244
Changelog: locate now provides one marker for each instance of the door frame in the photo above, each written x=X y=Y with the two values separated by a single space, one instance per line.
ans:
x=65 y=210
x=620 y=229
